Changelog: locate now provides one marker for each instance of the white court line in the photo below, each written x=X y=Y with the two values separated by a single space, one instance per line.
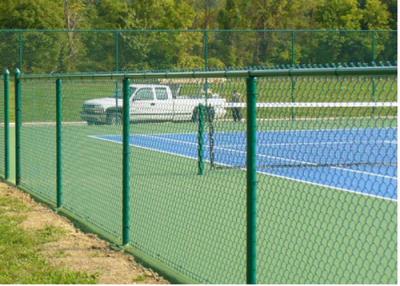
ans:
x=316 y=104
x=297 y=130
x=317 y=143
x=243 y=169
x=275 y=131
x=276 y=157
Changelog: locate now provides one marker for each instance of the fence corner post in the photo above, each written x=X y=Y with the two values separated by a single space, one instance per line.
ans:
x=251 y=200
x=6 y=78
x=60 y=197
x=126 y=192
x=18 y=123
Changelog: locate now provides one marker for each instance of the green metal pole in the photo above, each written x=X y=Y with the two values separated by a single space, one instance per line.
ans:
x=251 y=253
x=116 y=103
x=293 y=96
x=372 y=78
x=293 y=50
x=207 y=108
x=20 y=50
x=60 y=198
x=126 y=192
x=373 y=46
x=18 y=123
x=6 y=124
x=293 y=82
x=200 y=139
x=116 y=36
x=206 y=63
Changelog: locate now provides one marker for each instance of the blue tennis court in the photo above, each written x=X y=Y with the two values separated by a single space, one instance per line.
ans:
x=362 y=160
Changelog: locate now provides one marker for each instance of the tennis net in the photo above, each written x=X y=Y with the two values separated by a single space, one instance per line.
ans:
x=323 y=134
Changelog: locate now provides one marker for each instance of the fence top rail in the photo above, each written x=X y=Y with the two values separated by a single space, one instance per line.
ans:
x=196 y=30
x=339 y=71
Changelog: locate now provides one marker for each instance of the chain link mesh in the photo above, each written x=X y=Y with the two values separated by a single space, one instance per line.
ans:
x=327 y=181
x=129 y=50
x=92 y=166
x=2 y=139
x=326 y=167
x=38 y=138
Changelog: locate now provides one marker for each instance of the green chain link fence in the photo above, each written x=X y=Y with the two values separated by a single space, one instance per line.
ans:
x=257 y=176
x=48 y=51
x=5 y=90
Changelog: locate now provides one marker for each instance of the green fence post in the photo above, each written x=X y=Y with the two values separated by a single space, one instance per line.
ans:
x=20 y=49
x=18 y=123
x=205 y=43
x=251 y=268
x=373 y=48
x=293 y=49
x=126 y=192
x=116 y=38
x=6 y=124
x=200 y=140
x=59 y=142
x=293 y=82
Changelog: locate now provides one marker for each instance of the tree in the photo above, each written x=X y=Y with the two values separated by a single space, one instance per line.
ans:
x=375 y=15
x=339 y=14
x=26 y=14
x=41 y=49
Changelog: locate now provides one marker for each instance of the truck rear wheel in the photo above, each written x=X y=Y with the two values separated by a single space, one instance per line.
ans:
x=195 y=115
x=210 y=113
x=209 y=116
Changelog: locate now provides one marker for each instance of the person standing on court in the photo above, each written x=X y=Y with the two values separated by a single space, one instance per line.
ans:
x=236 y=112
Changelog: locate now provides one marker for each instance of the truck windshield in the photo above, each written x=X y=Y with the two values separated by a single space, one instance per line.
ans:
x=132 y=90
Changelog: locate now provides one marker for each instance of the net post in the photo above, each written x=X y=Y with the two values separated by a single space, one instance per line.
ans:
x=6 y=79
x=126 y=192
x=373 y=48
x=293 y=82
x=200 y=140
x=18 y=123
x=293 y=96
x=205 y=40
x=60 y=198
x=251 y=199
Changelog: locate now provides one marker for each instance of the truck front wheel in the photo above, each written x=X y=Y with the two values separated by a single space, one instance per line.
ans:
x=114 y=118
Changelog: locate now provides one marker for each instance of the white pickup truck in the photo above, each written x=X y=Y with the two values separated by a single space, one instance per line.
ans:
x=150 y=102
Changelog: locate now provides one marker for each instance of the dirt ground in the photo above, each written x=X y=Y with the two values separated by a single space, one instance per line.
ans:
x=80 y=251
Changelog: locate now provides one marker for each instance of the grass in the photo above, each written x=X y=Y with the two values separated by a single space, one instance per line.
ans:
x=20 y=261
x=40 y=94
x=139 y=278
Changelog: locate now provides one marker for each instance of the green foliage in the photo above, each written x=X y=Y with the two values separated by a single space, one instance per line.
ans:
x=26 y=14
x=375 y=15
x=339 y=14
x=105 y=51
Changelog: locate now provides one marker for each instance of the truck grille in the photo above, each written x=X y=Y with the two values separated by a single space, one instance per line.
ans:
x=91 y=109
